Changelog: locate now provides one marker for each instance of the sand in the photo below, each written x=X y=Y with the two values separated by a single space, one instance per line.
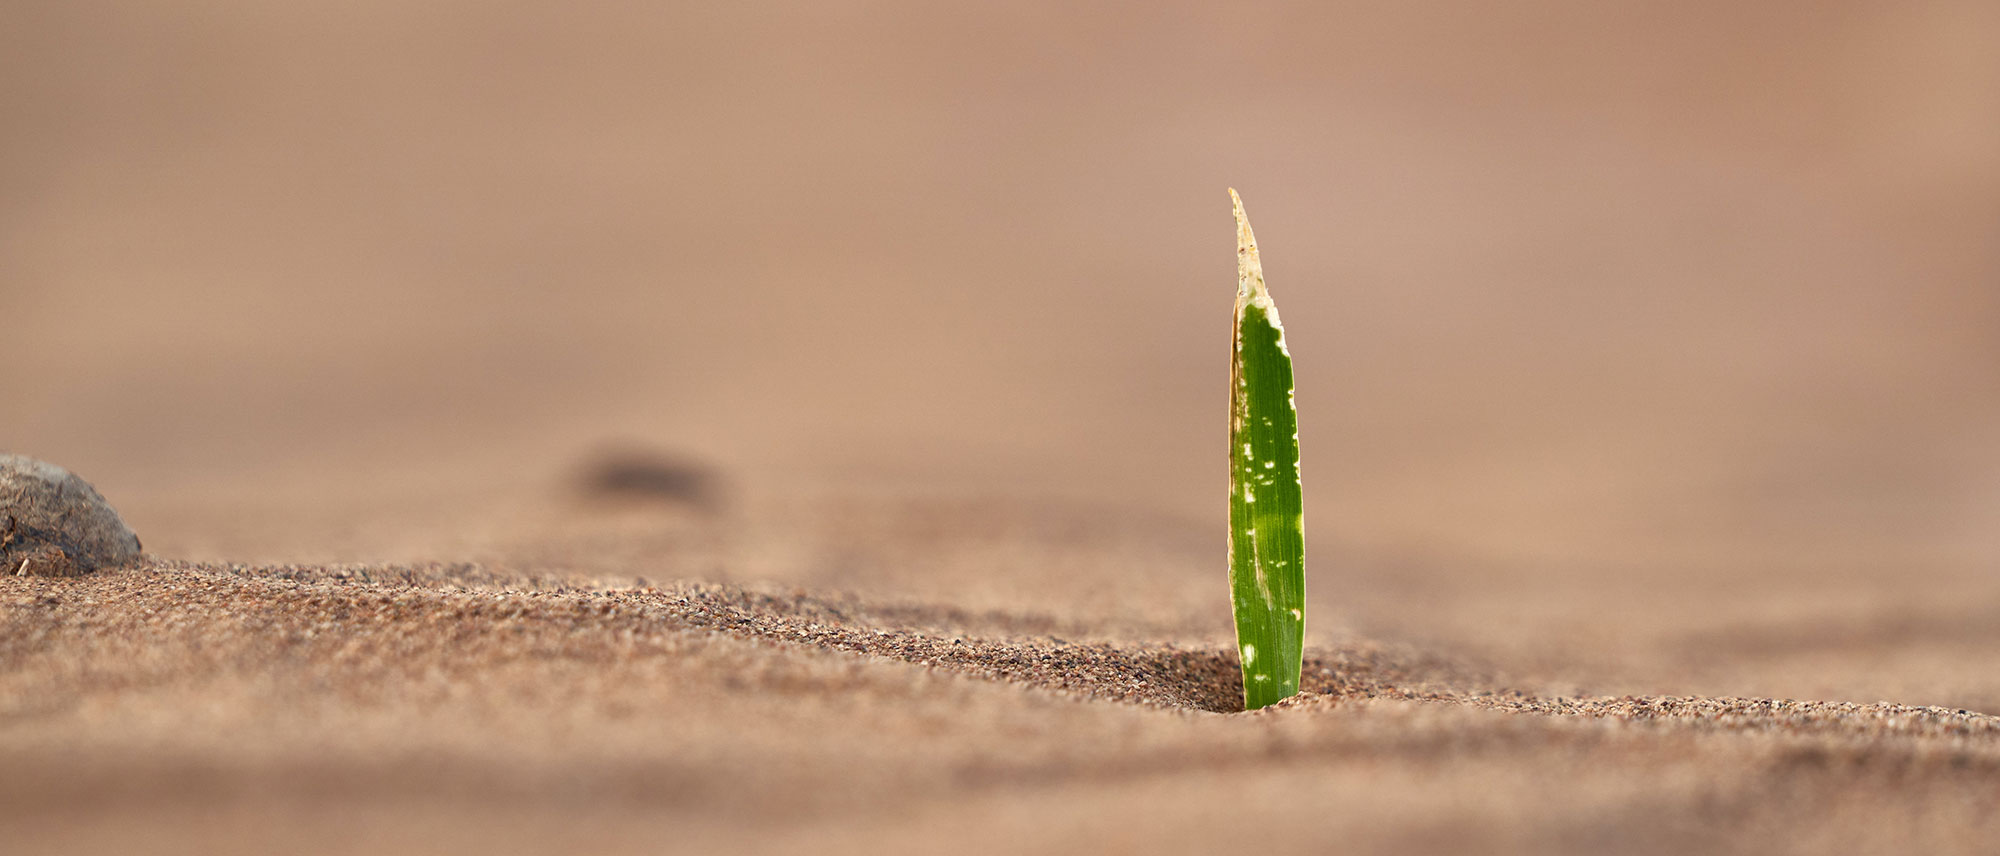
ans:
x=498 y=706
x=800 y=427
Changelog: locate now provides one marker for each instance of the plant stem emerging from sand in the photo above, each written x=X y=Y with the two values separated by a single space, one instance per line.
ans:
x=1266 y=547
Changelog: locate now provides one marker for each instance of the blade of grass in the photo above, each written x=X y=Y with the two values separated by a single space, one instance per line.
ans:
x=1266 y=545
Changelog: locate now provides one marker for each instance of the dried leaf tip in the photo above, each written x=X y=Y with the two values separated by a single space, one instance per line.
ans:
x=1249 y=269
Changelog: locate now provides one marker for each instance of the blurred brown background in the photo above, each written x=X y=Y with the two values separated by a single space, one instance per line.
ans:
x=1618 y=290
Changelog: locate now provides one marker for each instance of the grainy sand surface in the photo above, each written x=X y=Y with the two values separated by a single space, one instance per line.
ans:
x=525 y=707
x=799 y=427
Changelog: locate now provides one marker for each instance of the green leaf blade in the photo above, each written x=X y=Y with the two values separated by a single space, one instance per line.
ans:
x=1266 y=543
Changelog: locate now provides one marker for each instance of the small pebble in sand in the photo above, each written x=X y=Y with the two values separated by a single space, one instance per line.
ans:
x=640 y=474
x=55 y=524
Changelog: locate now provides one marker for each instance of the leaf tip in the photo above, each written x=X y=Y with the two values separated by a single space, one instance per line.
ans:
x=1249 y=268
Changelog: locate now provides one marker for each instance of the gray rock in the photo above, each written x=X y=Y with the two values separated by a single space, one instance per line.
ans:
x=54 y=524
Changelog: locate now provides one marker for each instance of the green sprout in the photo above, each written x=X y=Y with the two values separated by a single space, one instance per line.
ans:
x=1266 y=514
